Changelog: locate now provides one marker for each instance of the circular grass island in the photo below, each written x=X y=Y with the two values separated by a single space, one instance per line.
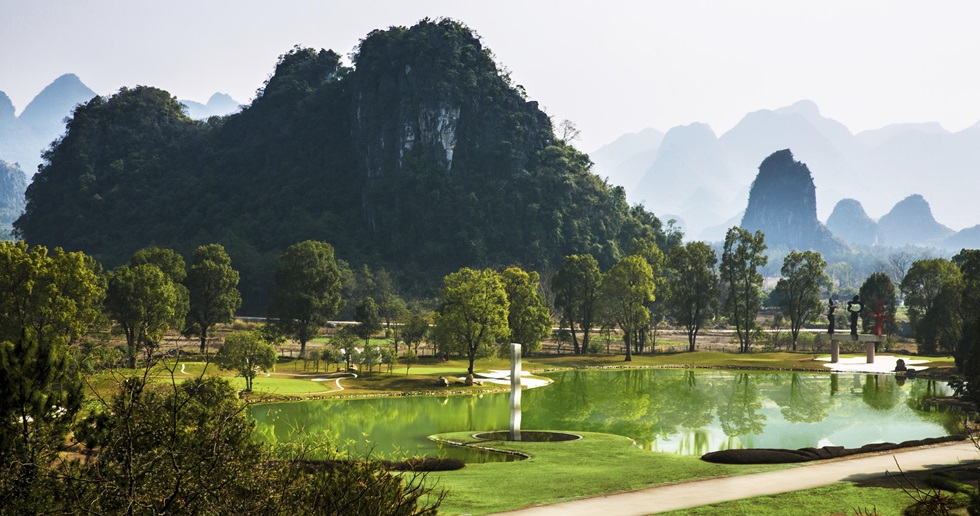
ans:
x=529 y=436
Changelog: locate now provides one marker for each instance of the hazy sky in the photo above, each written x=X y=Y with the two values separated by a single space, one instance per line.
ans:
x=611 y=67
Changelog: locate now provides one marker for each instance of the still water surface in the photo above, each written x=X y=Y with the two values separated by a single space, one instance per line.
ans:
x=689 y=412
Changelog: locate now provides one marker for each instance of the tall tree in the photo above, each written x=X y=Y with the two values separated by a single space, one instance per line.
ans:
x=145 y=303
x=47 y=301
x=368 y=319
x=741 y=258
x=968 y=261
x=804 y=276
x=213 y=287
x=694 y=287
x=416 y=327
x=307 y=290
x=627 y=291
x=878 y=288
x=172 y=265
x=247 y=353
x=473 y=313
x=576 y=287
x=344 y=342
x=932 y=294
x=528 y=317
x=391 y=307
x=647 y=247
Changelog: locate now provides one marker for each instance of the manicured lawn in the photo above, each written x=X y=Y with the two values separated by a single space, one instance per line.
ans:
x=560 y=471
x=842 y=498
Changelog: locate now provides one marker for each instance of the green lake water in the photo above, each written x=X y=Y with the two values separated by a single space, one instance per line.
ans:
x=689 y=412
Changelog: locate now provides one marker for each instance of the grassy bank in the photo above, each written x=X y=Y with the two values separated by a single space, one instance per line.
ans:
x=293 y=379
x=559 y=471
x=842 y=498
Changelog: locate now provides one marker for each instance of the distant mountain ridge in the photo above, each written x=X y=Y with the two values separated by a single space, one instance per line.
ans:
x=911 y=222
x=220 y=104
x=850 y=222
x=879 y=167
x=23 y=138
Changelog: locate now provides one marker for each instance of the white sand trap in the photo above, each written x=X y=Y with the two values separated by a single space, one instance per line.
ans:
x=883 y=364
x=502 y=377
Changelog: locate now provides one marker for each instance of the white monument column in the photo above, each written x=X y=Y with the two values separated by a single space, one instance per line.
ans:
x=515 y=392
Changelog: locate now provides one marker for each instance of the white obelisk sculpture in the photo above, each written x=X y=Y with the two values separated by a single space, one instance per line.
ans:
x=515 y=392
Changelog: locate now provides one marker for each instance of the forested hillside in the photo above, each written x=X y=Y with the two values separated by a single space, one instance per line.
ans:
x=422 y=157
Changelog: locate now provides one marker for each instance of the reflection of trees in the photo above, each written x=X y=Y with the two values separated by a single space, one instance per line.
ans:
x=804 y=403
x=741 y=414
x=686 y=404
x=921 y=391
x=879 y=393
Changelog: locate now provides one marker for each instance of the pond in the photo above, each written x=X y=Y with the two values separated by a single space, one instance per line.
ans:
x=688 y=412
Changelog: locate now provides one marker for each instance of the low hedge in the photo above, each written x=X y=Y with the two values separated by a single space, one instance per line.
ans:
x=412 y=464
x=781 y=456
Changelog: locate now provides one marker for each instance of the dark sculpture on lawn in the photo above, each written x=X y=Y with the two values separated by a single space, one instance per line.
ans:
x=854 y=307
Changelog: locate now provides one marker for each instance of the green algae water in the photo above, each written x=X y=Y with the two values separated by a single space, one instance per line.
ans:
x=687 y=411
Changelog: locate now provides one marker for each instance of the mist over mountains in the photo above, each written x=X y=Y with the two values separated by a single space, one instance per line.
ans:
x=703 y=179
x=24 y=137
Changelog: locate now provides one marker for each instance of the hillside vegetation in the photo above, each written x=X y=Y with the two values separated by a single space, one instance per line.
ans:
x=422 y=156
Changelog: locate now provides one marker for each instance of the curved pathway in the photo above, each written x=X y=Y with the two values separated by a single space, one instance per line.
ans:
x=338 y=378
x=705 y=492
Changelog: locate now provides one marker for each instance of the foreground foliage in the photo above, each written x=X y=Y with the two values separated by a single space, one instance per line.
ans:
x=188 y=448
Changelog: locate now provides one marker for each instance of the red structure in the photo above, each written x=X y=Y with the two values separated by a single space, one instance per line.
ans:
x=880 y=316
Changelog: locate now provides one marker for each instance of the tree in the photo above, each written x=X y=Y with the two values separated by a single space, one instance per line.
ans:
x=369 y=357
x=627 y=290
x=968 y=357
x=410 y=358
x=528 y=317
x=168 y=448
x=369 y=322
x=878 y=288
x=932 y=294
x=344 y=342
x=799 y=289
x=694 y=287
x=576 y=287
x=741 y=258
x=47 y=302
x=389 y=357
x=473 y=313
x=246 y=353
x=213 y=287
x=647 y=247
x=145 y=303
x=307 y=290
x=899 y=263
x=390 y=306
x=416 y=328
x=316 y=355
x=172 y=265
